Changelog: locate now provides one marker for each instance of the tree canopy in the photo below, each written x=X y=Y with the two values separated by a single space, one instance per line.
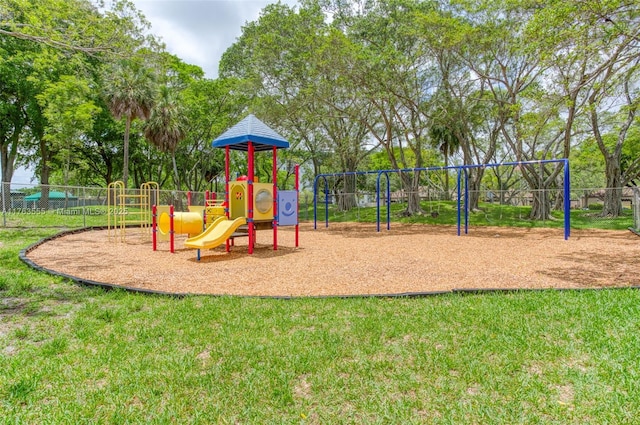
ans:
x=85 y=88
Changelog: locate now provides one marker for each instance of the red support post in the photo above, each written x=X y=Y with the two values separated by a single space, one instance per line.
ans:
x=250 y=200
x=171 y=230
x=189 y=198
x=206 y=196
x=227 y=159
x=297 y=180
x=275 y=198
x=154 y=227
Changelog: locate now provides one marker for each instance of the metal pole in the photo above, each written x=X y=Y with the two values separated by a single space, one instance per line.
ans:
x=567 y=200
x=466 y=202
x=154 y=227
x=378 y=201
x=250 y=200
x=275 y=198
x=227 y=158
x=4 y=207
x=296 y=170
x=388 y=201
x=315 y=203
x=171 y=229
x=326 y=203
x=459 y=197
x=84 y=207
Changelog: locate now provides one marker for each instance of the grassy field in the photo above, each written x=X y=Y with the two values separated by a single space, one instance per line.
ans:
x=445 y=212
x=435 y=212
x=71 y=354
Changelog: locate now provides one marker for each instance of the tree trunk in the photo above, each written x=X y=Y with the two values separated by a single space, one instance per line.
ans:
x=8 y=154
x=411 y=185
x=541 y=206
x=7 y=175
x=475 y=177
x=45 y=171
x=347 y=196
x=176 y=181
x=613 y=194
x=7 y=164
x=447 y=194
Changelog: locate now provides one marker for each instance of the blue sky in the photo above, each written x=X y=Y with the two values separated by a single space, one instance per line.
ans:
x=21 y=176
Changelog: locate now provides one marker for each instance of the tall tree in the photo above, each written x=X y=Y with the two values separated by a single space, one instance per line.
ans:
x=70 y=112
x=287 y=61
x=55 y=38
x=166 y=126
x=76 y=26
x=594 y=49
x=130 y=93
x=396 y=75
x=16 y=94
x=211 y=107
x=448 y=144
x=617 y=125
x=530 y=123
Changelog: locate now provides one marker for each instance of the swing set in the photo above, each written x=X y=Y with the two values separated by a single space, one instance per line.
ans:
x=462 y=198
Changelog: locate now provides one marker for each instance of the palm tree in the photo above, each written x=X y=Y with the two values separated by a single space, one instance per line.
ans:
x=166 y=126
x=444 y=140
x=130 y=93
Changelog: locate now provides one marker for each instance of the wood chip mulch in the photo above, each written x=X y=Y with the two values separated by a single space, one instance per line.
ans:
x=354 y=259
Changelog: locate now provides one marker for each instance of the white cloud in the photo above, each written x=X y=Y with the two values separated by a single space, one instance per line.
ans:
x=199 y=31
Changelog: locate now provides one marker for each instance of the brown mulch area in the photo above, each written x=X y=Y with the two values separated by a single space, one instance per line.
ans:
x=354 y=259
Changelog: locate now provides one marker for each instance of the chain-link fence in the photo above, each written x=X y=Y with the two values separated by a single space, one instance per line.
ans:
x=74 y=206
x=635 y=205
x=505 y=196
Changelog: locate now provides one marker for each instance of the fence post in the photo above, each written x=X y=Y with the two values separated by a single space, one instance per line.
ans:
x=84 y=207
x=4 y=207
x=636 y=208
x=567 y=200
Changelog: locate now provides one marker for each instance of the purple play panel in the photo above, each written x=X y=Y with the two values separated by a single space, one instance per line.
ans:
x=287 y=208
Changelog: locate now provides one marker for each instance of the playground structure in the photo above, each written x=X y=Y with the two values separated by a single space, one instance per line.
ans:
x=167 y=222
x=248 y=205
x=462 y=189
x=126 y=209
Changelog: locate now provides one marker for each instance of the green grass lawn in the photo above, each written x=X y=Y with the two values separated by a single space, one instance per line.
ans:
x=445 y=213
x=63 y=217
x=71 y=354
x=435 y=212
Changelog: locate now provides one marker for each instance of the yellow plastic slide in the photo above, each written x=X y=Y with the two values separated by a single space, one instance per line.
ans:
x=216 y=234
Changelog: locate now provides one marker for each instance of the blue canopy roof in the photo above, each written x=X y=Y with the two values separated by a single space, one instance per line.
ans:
x=250 y=129
x=52 y=195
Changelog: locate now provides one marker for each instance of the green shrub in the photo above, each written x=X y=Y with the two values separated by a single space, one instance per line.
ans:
x=596 y=207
